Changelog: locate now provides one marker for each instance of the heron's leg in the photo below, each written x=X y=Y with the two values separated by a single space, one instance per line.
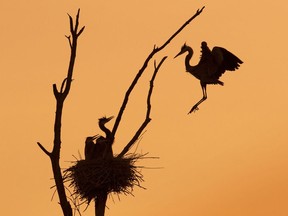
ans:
x=195 y=107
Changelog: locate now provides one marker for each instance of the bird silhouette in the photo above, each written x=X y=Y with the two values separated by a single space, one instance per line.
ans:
x=102 y=148
x=105 y=143
x=90 y=147
x=211 y=66
x=102 y=122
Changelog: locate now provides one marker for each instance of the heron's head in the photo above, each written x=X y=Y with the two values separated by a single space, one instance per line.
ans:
x=184 y=49
x=204 y=44
x=104 y=120
x=91 y=138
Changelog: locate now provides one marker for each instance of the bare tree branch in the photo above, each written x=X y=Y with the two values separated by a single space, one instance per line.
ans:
x=147 y=119
x=140 y=72
x=81 y=30
x=198 y=12
x=69 y=40
x=60 y=97
x=43 y=149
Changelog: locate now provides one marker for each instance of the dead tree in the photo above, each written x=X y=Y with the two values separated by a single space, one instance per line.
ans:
x=95 y=186
x=101 y=191
x=60 y=96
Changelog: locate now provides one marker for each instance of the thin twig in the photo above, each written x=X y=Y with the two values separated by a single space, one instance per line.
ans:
x=198 y=12
x=69 y=40
x=44 y=149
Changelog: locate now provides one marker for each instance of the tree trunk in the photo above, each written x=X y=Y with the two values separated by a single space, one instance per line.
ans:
x=100 y=204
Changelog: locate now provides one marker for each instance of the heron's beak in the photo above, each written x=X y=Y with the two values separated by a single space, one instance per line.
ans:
x=95 y=137
x=109 y=118
x=178 y=54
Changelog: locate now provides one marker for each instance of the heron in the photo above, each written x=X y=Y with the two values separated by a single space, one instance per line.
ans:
x=211 y=66
x=102 y=121
x=104 y=144
x=100 y=148
x=90 y=147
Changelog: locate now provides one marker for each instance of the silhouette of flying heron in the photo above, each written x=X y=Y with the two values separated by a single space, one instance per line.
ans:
x=211 y=66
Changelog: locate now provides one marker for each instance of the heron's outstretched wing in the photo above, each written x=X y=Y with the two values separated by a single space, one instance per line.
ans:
x=225 y=60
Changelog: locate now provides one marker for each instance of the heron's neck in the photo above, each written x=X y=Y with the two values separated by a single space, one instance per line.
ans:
x=187 y=60
x=105 y=130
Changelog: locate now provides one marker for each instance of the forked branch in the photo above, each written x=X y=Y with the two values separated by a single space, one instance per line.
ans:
x=147 y=119
x=60 y=97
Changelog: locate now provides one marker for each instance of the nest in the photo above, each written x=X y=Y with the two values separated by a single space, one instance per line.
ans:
x=92 y=177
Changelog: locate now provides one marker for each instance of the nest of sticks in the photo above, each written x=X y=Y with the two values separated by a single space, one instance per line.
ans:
x=91 y=177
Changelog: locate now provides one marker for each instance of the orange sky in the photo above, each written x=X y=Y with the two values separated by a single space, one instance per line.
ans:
x=228 y=158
